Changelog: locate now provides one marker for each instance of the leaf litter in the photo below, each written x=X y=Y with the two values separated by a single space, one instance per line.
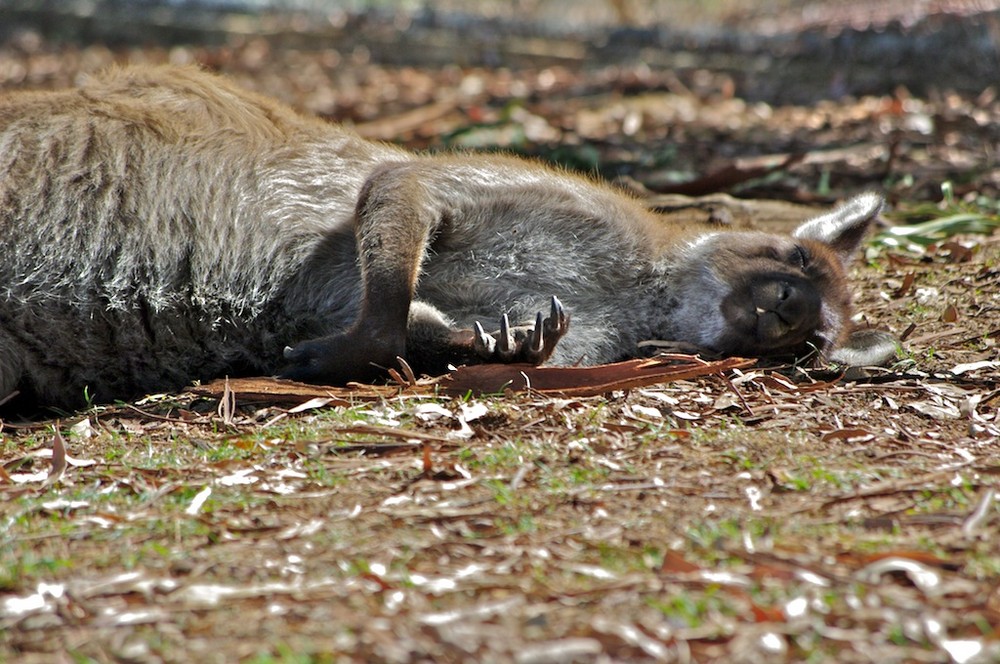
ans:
x=735 y=513
x=711 y=525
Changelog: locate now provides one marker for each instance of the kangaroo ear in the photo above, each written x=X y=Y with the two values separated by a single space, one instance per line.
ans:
x=866 y=348
x=845 y=227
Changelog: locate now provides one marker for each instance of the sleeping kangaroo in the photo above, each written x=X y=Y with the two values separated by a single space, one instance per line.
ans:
x=161 y=225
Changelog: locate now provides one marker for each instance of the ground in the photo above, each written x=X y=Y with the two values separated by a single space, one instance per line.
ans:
x=754 y=514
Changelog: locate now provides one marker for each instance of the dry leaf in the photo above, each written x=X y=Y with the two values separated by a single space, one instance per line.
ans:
x=58 y=466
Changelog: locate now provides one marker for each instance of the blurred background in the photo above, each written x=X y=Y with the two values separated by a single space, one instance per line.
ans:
x=793 y=99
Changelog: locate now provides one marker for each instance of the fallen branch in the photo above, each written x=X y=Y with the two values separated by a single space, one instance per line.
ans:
x=583 y=381
x=485 y=379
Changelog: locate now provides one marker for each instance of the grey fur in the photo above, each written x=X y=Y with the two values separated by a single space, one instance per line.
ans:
x=161 y=225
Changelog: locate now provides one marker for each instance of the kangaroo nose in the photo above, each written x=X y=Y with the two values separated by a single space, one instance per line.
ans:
x=777 y=297
x=799 y=307
x=789 y=302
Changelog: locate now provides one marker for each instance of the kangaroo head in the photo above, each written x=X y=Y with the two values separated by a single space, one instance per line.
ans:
x=762 y=294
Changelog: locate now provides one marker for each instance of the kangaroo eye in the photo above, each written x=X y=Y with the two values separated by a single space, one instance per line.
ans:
x=799 y=257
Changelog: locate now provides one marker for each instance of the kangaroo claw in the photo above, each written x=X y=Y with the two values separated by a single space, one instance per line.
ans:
x=484 y=344
x=524 y=343
x=537 y=334
x=506 y=345
x=558 y=322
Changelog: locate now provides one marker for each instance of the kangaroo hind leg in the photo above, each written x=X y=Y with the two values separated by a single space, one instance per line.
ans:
x=394 y=218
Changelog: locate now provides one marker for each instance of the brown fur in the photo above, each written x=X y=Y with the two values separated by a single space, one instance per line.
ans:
x=161 y=225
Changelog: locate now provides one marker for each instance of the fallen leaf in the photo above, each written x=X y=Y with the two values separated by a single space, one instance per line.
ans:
x=198 y=500
x=851 y=435
x=960 y=369
x=937 y=411
x=58 y=466
x=674 y=562
x=922 y=576
x=905 y=286
x=311 y=404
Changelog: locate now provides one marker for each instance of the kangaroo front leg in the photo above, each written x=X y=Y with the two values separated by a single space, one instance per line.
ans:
x=396 y=214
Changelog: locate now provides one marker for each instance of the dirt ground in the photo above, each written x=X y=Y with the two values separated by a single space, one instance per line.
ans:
x=756 y=514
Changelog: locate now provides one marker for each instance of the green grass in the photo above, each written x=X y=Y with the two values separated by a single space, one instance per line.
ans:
x=928 y=223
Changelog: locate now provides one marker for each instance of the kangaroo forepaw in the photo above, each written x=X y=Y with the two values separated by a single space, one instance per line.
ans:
x=525 y=343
